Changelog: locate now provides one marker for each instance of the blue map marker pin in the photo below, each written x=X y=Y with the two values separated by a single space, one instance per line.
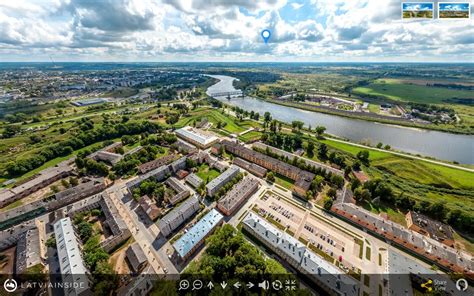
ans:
x=266 y=35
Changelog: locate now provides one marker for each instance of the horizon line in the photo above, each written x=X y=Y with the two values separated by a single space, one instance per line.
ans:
x=243 y=62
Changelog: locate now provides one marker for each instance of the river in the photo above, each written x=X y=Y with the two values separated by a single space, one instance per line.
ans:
x=440 y=145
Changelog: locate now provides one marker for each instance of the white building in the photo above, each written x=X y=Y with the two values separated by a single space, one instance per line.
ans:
x=197 y=137
x=70 y=260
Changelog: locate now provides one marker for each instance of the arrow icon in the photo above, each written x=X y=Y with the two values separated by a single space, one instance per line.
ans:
x=223 y=285
x=250 y=285
x=210 y=285
x=237 y=285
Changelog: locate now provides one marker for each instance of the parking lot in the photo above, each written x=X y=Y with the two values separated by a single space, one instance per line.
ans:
x=349 y=251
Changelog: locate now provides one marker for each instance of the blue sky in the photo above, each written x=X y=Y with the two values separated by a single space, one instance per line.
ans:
x=454 y=6
x=227 y=30
x=417 y=6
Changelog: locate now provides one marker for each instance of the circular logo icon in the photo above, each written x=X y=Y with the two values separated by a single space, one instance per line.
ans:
x=461 y=285
x=10 y=285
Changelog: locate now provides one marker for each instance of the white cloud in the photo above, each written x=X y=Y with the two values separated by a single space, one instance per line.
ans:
x=224 y=29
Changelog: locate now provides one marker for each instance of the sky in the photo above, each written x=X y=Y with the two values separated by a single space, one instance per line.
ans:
x=227 y=30
x=454 y=6
x=417 y=6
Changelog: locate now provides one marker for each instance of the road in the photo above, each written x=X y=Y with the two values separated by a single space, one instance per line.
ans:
x=147 y=237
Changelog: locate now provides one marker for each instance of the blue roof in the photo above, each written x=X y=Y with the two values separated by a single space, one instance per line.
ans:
x=197 y=233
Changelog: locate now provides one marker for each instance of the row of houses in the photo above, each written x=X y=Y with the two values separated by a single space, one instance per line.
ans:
x=290 y=156
x=239 y=193
x=318 y=270
x=302 y=178
x=107 y=154
x=413 y=242
x=196 y=235
x=171 y=221
x=154 y=164
x=250 y=167
x=181 y=191
x=29 y=251
x=41 y=180
x=70 y=259
x=213 y=187
x=118 y=228
x=51 y=203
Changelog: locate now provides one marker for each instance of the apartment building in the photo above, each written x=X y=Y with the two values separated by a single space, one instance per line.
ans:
x=70 y=259
x=327 y=276
x=217 y=183
x=237 y=195
x=302 y=178
x=171 y=221
x=195 y=237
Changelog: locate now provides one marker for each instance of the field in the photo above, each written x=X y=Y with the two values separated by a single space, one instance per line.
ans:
x=395 y=90
x=418 y=14
x=250 y=136
x=284 y=181
x=454 y=14
x=215 y=116
x=207 y=174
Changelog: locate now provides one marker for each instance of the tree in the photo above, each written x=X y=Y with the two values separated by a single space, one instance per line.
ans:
x=267 y=117
x=323 y=151
x=270 y=177
x=310 y=149
x=361 y=194
x=320 y=130
x=11 y=130
x=297 y=125
x=387 y=147
x=85 y=230
x=363 y=156
x=379 y=145
x=332 y=192
x=327 y=203
x=337 y=180
x=51 y=242
x=317 y=183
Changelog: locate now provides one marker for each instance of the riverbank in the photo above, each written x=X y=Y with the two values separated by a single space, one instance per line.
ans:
x=434 y=144
x=342 y=113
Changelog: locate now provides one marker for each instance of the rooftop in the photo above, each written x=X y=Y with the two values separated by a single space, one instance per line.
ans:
x=222 y=177
x=198 y=232
x=201 y=137
x=305 y=259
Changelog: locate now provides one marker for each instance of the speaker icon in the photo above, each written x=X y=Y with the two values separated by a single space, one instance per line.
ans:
x=264 y=285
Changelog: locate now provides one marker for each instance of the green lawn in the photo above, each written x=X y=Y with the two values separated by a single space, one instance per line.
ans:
x=393 y=214
x=232 y=125
x=426 y=173
x=284 y=181
x=411 y=169
x=374 y=154
x=207 y=174
x=250 y=136
x=395 y=90
x=374 y=108
x=55 y=161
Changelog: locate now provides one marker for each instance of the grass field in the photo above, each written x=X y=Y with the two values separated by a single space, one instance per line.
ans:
x=395 y=90
x=250 y=136
x=207 y=174
x=393 y=214
x=284 y=181
x=214 y=116
x=426 y=173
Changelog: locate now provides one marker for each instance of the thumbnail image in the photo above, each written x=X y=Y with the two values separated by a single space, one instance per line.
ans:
x=453 y=10
x=417 y=10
